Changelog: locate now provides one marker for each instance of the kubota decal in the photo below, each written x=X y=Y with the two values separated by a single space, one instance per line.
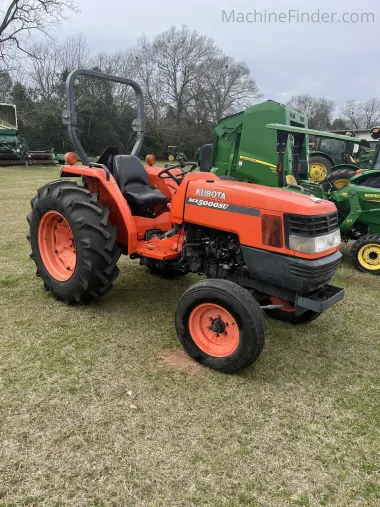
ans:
x=243 y=210
x=203 y=192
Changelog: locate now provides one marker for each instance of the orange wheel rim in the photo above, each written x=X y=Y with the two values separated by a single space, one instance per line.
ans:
x=214 y=330
x=56 y=245
x=279 y=301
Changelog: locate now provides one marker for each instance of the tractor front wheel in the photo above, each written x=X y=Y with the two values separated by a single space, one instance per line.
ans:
x=340 y=178
x=288 y=313
x=220 y=325
x=73 y=242
x=366 y=254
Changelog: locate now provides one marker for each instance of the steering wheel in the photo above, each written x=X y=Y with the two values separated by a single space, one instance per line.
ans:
x=166 y=173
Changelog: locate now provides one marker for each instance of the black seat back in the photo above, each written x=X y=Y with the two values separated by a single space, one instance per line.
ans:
x=106 y=158
x=129 y=171
x=205 y=160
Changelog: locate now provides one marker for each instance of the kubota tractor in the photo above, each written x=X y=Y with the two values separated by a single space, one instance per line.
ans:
x=261 y=249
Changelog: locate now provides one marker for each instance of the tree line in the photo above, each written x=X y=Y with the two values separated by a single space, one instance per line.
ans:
x=188 y=85
x=323 y=113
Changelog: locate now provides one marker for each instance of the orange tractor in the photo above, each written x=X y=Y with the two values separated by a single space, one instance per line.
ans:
x=261 y=249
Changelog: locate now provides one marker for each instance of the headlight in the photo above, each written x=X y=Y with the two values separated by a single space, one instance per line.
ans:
x=314 y=245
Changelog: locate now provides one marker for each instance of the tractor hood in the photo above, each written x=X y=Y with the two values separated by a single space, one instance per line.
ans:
x=258 y=196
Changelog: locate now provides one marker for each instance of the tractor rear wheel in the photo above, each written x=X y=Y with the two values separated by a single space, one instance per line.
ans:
x=288 y=314
x=220 y=325
x=319 y=168
x=366 y=254
x=73 y=242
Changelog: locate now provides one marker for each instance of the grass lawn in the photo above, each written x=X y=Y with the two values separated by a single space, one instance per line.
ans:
x=100 y=407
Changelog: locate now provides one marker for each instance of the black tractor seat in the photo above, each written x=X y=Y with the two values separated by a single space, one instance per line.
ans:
x=133 y=181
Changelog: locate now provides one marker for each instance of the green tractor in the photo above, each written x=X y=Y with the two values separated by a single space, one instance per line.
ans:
x=176 y=156
x=357 y=201
x=328 y=155
x=13 y=148
x=244 y=150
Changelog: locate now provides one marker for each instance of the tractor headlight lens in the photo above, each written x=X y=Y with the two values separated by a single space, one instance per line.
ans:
x=314 y=245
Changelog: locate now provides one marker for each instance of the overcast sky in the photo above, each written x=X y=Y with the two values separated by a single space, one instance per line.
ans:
x=337 y=60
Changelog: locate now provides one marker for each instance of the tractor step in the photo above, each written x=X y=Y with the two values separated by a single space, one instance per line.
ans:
x=161 y=249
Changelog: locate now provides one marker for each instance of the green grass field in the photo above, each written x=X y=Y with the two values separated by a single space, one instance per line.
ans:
x=100 y=407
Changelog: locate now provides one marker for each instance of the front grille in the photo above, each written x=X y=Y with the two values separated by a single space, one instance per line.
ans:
x=314 y=273
x=311 y=226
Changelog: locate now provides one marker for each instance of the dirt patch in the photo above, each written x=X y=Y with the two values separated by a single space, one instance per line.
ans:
x=178 y=359
x=359 y=280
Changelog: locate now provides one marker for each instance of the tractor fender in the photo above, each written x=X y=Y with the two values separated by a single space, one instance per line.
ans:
x=360 y=175
x=102 y=182
x=344 y=166
x=321 y=154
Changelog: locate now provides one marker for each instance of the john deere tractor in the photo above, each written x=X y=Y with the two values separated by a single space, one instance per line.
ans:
x=358 y=200
x=331 y=154
x=176 y=156
x=245 y=150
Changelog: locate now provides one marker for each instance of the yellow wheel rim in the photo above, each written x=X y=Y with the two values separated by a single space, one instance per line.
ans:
x=369 y=256
x=341 y=183
x=318 y=172
x=171 y=158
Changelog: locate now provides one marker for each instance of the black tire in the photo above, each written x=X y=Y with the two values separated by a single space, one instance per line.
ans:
x=319 y=159
x=341 y=175
x=229 y=178
x=368 y=239
x=158 y=268
x=94 y=236
x=242 y=307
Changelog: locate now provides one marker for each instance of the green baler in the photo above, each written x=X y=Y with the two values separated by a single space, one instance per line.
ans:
x=244 y=147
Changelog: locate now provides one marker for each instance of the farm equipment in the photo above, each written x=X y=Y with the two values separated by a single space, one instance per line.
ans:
x=174 y=155
x=357 y=199
x=242 y=152
x=330 y=154
x=13 y=148
x=260 y=251
x=244 y=148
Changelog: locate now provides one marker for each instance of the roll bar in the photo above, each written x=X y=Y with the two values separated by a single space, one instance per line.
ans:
x=69 y=115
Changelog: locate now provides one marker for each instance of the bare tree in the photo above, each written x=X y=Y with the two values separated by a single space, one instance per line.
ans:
x=177 y=55
x=5 y=87
x=318 y=110
x=54 y=60
x=227 y=86
x=362 y=115
x=147 y=74
x=19 y=18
